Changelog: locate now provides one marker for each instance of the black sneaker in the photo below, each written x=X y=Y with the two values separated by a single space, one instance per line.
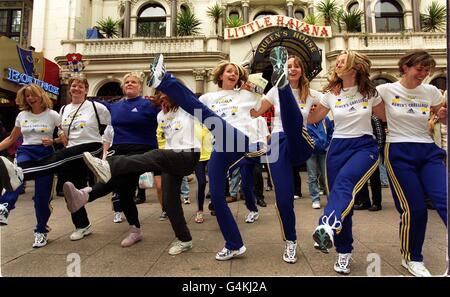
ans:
x=261 y=202
x=211 y=209
x=139 y=200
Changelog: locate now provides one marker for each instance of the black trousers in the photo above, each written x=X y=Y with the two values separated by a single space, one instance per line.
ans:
x=375 y=185
x=125 y=186
x=174 y=165
x=69 y=165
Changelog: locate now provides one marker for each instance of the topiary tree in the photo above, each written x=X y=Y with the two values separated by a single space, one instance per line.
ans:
x=109 y=27
x=215 y=12
x=187 y=23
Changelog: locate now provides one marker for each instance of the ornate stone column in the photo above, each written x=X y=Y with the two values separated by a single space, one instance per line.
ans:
x=173 y=19
x=127 y=19
x=368 y=16
x=199 y=76
x=311 y=7
x=245 y=12
x=290 y=8
x=416 y=15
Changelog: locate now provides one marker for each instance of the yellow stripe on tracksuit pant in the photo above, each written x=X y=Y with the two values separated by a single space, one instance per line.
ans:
x=350 y=163
x=416 y=170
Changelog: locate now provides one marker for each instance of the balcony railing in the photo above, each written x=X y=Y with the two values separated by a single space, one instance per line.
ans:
x=388 y=41
x=139 y=45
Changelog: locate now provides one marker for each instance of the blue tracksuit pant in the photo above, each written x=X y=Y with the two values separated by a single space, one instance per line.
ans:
x=350 y=162
x=43 y=186
x=230 y=145
x=286 y=150
x=416 y=171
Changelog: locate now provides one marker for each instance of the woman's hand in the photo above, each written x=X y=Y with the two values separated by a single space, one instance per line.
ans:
x=254 y=113
x=442 y=114
x=246 y=86
x=47 y=141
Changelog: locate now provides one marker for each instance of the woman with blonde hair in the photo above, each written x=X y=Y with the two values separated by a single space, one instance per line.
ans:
x=36 y=122
x=353 y=153
x=81 y=129
x=134 y=121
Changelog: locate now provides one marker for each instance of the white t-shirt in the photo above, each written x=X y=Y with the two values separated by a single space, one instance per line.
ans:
x=179 y=130
x=408 y=111
x=273 y=97
x=108 y=135
x=351 y=112
x=36 y=126
x=84 y=128
x=234 y=107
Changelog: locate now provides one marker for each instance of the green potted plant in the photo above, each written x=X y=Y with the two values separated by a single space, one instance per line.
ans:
x=215 y=12
x=109 y=27
x=234 y=22
x=187 y=23
x=352 y=20
x=328 y=10
x=434 y=20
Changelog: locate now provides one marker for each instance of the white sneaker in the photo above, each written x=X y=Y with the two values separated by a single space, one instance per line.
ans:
x=4 y=213
x=40 y=239
x=186 y=200
x=290 y=251
x=163 y=216
x=416 y=268
x=316 y=205
x=317 y=247
x=279 y=59
x=98 y=166
x=179 y=246
x=342 y=264
x=75 y=199
x=118 y=217
x=252 y=217
x=80 y=233
x=226 y=254
x=11 y=175
x=157 y=71
x=296 y=197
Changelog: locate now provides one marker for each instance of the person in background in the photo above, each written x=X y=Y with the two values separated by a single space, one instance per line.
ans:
x=321 y=132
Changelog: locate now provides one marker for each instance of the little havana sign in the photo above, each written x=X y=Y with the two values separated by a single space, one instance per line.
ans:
x=277 y=21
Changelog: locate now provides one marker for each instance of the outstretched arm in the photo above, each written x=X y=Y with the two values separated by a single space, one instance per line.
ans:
x=318 y=115
x=11 y=139
x=265 y=106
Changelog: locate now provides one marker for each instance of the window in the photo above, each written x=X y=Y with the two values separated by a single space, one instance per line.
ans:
x=263 y=14
x=388 y=16
x=10 y=23
x=440 y=83
x=152 y=21
x=381 y=81
x=299 y=14
x=233 y=15
x=353 y=6
x=110 y=91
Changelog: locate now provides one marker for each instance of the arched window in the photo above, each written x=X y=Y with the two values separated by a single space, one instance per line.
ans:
x=353 y=6
x=233 y=15
x=299 y=14
x=263 y=14
x=440 y=83
x=388 y=16
x=152 y=21
x=381 y=81
x=184 y=8
x=110 y=91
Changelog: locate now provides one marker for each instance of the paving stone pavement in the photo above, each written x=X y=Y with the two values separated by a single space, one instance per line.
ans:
x=99 y=254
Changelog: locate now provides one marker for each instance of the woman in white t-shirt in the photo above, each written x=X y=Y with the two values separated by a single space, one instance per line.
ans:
x=282 y=167
x=235 y=136
x=36 y=123
x=353 y=153
x=178 y=158
x=81 y=123
x=416 y=166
